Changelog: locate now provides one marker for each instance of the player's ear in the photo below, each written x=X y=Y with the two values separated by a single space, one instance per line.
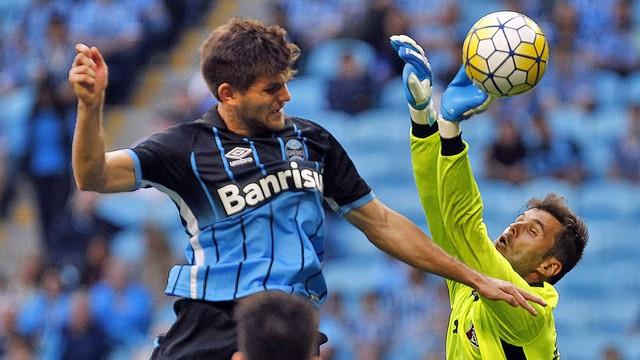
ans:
x=237 y=356
x=550 y=267
x=226 y=93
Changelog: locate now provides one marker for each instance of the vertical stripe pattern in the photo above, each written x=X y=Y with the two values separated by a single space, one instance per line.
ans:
x=194 y=167
x=256 y=157
x=225 y=162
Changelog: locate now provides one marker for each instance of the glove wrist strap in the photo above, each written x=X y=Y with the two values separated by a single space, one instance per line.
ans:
x=426 y=116
x=448 y=129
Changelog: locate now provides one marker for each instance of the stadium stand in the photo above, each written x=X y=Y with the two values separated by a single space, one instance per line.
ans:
x=598 y=307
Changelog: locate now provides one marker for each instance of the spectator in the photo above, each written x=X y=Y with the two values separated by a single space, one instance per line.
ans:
x=121 y=305
x=19 y=348
x=96 y=256
x=78 y=227
x=505 y=159
x=24 y=284
x=326 y=23
x=617 y=51
x=610 y=352
x=372 y=328
x=18 y=73
x=352 y=89
x=335 y=324
x=381 y=20
x=554 y=155
x=158 y=258
x=44 y=314
x=54 y=52
x=420 y=316
x=567 y=69
x=47 y=160
x=82 y=338
x=117 y=31
x=435 y=25
x=38 y=16
x=626 y=152
x=276 y=325
x=155 y=22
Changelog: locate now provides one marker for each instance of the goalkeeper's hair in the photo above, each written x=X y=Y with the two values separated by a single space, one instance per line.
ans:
x=274 y=325
x=242 y=50
x=572 y=238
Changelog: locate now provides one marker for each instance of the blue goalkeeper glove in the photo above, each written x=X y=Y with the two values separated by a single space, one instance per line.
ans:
x=462 y=99
x=416 y=79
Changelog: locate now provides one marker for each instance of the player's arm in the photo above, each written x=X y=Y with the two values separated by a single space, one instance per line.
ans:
x=425 y=141
x=402 y=239
x=94 y=169
x=458 y=194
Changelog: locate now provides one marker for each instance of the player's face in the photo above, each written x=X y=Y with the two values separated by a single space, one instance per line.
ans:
x=261 y=107
x=528 y=239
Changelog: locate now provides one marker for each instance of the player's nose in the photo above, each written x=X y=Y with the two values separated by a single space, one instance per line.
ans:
x=284 y=95
x=514 y=228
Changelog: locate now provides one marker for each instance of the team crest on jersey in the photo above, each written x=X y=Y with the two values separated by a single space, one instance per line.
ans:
x=294 y=150
x=471 y=335
x=239 y=156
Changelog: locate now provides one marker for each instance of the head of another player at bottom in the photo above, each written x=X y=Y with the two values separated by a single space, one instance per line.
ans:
x=247 y=65
x=545 y=242
x=274 y=325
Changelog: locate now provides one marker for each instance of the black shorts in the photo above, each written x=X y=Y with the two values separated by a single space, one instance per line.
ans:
x=203 y=330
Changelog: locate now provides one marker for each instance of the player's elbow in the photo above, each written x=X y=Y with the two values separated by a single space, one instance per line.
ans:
x=88 y=183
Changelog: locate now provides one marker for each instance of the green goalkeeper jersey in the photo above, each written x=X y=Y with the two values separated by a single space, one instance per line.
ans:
x=478 y=328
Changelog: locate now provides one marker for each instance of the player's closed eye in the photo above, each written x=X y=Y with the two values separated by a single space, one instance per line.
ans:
x=274 y=89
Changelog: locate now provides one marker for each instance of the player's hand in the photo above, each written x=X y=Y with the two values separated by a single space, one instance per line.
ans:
x=416 y=79
x=461 y=99
x=495 y=289
x=89 y=75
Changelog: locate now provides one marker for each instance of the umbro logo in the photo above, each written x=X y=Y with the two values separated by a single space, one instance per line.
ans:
x=239 y=156
x=238 y=153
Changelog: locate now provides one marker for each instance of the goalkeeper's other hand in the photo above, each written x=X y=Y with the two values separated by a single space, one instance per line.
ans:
x=461 y=99
x=416 y=79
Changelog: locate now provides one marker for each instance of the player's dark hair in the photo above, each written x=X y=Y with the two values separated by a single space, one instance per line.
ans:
x=241 y=50
x=274 y=325
x=571 y=239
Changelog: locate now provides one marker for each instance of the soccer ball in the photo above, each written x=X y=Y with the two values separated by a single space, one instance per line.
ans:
x=505 y=53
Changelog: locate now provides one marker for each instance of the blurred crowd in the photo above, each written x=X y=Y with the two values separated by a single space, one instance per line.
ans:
x=88 y=293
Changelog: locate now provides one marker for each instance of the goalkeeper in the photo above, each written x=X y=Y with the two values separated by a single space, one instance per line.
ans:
x=535 y=251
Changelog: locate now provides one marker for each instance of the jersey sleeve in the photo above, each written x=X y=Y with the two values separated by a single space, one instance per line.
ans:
x=161 y=159
x=344 y=188
x=461 y=207
x=424 y=159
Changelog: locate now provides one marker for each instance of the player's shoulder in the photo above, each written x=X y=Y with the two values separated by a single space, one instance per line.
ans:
x=173 y=136
x=306 y=125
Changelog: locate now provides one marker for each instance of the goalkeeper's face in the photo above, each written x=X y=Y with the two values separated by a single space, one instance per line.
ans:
x=526 y=242
x=261 y=106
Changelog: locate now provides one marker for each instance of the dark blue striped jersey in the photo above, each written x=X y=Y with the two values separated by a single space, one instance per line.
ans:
x=252 y=207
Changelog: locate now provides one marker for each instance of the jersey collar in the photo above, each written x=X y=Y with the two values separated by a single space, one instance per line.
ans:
x=212 y=116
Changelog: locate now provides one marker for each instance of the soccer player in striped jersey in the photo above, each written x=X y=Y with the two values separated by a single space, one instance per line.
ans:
x=248 y=183
x=534 y=252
